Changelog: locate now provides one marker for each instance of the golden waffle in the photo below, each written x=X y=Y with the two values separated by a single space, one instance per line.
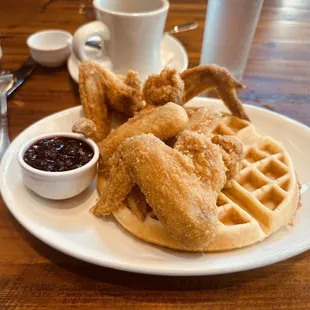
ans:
x=263 y=197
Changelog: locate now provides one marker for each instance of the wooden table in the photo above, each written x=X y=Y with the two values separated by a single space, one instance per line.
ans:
x=35 y=276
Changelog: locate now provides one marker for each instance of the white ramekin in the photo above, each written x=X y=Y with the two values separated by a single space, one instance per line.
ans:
x=50 y=48
x=58 y=185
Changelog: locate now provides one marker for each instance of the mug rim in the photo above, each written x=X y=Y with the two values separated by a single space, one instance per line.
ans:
x=163 y=8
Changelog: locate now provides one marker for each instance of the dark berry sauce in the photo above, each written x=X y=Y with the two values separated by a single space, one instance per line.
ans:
x=58 y=154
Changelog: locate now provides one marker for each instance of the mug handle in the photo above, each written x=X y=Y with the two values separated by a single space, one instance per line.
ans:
x=82 y=35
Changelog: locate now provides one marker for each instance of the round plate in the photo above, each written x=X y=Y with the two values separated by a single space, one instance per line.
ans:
x=173 y=55
x=69 y=226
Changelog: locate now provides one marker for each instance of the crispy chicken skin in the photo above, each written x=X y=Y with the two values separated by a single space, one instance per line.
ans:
x=167 y=178
x=124 y=94
x=203 y=121
x=203 y=78
x=164 y=122
x=206 y=158
x=169 y=85
x=94 y=98
x=181 y=184
x=88 y=128
x=232 y=152
x=165 y=87
x=137 y=203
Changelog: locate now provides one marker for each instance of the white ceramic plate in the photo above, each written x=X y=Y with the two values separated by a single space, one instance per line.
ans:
x=172 y=52
x=69 y=227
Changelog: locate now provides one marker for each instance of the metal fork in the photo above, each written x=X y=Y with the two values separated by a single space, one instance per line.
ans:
x=6 y=82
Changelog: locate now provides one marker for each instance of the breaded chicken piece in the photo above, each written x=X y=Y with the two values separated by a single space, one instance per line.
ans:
x=189 y=143
x=137 y=203
x=94 y=98
x=206 y=158
x=124 y=94
x=192 y=142
x=203 y=78
x=163 y=88
x=203 y=120
x=232 y=151
x=180 y=88
x=167 y=178
x=87 y=128
x=164 y=122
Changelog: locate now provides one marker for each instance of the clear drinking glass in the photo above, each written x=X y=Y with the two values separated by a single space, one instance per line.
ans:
x=229 y=30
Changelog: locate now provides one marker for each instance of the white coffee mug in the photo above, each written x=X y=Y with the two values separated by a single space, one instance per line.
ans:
x=131 y=32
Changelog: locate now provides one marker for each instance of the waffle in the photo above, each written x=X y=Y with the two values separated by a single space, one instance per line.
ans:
x=263 y=196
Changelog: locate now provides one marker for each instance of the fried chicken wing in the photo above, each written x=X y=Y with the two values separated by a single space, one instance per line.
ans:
x=232 y=151
x=163 y=88
x=195 y=142
x=87 y=128
x=167 y=178
x=137 y=203
x=124 y=94
x=203 y=121
x=164 y=122
x=206 y=158
x=181 y=184
x=203 y=78
x=94 y=98
x=180 y=88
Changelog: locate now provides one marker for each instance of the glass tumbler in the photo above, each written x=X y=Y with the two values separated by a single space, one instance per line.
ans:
x=228 y=34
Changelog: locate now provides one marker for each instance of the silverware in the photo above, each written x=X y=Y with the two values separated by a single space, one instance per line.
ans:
x=175 y=29
x=183 y=27
x=6 y=82
x=22 y=73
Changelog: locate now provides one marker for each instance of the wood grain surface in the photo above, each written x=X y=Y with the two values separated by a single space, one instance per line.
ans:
x=35 y=276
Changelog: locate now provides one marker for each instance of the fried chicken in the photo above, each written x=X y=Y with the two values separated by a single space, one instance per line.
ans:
x=94 y=99
x=206 y=158
x=203 y=78
x=192 y=142
x=165 y=87
x=181 y=184
x=167 y=178
x=203 y=121
x=137 y=203
x=232 y=151
x=87 y=128
x=180 y=88
x=124 y=94
x=164 y=122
